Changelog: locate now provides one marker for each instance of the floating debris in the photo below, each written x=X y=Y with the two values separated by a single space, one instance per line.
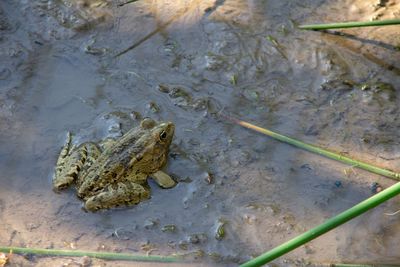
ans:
x=148 y=247
x=163 y=88
x=393 y=213
x=234 y=79
x=5 y=74
x=183 y=245
x=209 y=178
x=220 y=230
x=170 y=228
x=376 y=188
x=197 y=238
x=338 y=183
x=4 y=259
x=127 y=2
x=216 y=257
x=153 y=107
x=180 y=96
x=197 y=254
x=150 y=223
x=277 y=46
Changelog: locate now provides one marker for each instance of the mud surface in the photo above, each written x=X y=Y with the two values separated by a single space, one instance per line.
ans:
x=96 y=67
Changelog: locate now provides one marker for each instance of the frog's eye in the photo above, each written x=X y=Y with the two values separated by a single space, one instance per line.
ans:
x=163 y=135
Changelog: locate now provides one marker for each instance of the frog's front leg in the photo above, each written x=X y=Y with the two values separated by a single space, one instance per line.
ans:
x=163 y=179
x=72 y=161
x=118 y=194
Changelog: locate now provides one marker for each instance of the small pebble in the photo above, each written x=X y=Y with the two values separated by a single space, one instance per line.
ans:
x=209 y=178
x=85 y=261
x=153 y=107
x=183 y=245
x=197 y=238
x=149 y=224
x=5 y=73
x=163 y=88
x=376 y=188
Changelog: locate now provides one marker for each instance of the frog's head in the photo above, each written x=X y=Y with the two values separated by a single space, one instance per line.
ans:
x=163 y=133
x=155 y=144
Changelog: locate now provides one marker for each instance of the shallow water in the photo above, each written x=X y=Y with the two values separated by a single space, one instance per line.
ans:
x=96 y=68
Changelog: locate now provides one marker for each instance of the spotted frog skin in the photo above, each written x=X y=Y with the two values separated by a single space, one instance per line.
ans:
x=114 y=172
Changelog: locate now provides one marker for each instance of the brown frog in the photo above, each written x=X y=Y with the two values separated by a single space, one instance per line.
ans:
x=114 y=172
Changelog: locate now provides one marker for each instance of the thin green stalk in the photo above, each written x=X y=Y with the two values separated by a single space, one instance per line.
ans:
x=93 y=254
x=328 y=225
x=349 y=24
x=277 y=46
x=317 y=150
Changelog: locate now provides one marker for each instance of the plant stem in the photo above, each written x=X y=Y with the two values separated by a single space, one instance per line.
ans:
x=349 y=24
x=325 y=227
x=317 y=150
x=93 y=254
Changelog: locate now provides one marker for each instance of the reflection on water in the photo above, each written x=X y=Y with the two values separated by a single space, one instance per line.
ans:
x=94 y=68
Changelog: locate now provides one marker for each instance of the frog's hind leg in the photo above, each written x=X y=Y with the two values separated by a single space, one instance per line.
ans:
x=107 y=143
x=118 y=194
x=71 y=161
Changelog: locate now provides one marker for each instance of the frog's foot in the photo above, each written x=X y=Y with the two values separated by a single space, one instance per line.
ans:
x=163 y=179
x=122 y=193
x=61 y=179
x=72 y=161
x=65 y=151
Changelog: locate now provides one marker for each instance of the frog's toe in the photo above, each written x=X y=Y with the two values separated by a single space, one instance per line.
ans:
x=60 y=183
x=92 y=204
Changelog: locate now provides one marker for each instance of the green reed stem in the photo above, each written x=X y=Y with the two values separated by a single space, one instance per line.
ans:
x=93 y=254
x=353 y=24
x=325 y=227
x=317 y=150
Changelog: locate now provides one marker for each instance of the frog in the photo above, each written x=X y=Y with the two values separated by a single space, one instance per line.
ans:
x=114 y=172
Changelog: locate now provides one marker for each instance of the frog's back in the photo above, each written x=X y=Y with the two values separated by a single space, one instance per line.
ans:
x=137 y=154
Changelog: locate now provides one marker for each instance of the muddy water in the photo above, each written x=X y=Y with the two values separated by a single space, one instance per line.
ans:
x=95 y=68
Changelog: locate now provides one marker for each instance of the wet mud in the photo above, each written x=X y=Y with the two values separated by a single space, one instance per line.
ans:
x=95 y=68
